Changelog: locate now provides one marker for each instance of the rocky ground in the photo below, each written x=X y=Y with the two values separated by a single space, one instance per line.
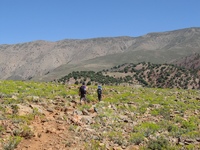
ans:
x=65 y=124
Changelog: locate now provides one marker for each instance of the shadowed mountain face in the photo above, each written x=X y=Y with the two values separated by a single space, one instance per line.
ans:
x=42 y=60
x=190 y=62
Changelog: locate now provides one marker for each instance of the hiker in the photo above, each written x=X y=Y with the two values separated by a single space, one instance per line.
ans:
x=82 y=92
x=99 y=92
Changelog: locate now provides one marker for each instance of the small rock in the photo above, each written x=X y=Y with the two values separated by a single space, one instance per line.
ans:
x=132 y=147
x=117 y=148
x=85 y=112
x=61 y=128
x=50 y=110
x=189 y=140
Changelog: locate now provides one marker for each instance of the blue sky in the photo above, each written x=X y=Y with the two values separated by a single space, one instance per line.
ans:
x=52 y=20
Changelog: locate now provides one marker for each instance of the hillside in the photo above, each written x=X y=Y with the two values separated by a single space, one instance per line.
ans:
x=144 y=74
x=154 y=47
x=44 y=61
x=49 y=116
x=190 y=62
x=27 y=60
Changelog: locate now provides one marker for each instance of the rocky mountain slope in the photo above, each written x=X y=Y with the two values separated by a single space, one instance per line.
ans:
x=49 y=116
x=26 y=60
x=42 y=60
x=190 y=62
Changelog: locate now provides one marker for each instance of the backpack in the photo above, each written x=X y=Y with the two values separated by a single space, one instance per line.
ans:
x=82 y=90
x=99 y=91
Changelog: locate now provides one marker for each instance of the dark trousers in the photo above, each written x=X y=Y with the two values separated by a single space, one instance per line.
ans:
x=99 y=97
x=83 y=98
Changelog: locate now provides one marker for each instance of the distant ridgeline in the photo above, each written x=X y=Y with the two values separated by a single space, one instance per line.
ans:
x=145 y=74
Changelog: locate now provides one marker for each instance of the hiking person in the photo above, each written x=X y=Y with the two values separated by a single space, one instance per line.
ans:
x=82 y=92
x=99 y=92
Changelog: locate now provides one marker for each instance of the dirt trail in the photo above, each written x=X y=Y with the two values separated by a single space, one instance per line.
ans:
x=49 y=134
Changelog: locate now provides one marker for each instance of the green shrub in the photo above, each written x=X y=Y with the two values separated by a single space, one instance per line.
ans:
x=94 y=145
x=73 y=127
x=159 y=144
x=190 y=147
x=142 y=109
x=85 y=106
x=24 y=132
x=1 y=128
x=147 y=128
x=116 y=137
x=165 y=112
x=12 y=143
x=189 y=126
x=175 y=131
x=154 y=112
x=136 y=138
x=191 y=135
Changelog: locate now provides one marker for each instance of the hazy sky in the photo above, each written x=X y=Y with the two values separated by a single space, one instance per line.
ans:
x=52 y=20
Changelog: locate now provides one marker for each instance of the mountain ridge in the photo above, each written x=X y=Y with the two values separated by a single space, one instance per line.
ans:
x=38 y=59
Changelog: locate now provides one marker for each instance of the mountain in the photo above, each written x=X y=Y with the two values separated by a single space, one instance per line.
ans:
x=42 y=60
x=26 y=60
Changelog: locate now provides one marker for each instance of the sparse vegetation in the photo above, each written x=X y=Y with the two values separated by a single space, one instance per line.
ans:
x=149 y=118
x=12 y=143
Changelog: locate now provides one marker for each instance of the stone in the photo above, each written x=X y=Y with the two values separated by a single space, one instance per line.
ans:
x=132 y=147
x=24 y=110
x=85 y=112
x=189 y=140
